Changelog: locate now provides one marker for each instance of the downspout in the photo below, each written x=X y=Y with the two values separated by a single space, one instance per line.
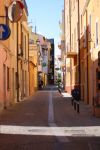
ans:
x=28 y=68
x=87 y=60
x=79 y=59
x=70 y=21
x=64 y=82
x=17 y=74
x=70 y=45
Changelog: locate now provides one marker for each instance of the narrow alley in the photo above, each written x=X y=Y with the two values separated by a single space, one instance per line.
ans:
x=48 y=121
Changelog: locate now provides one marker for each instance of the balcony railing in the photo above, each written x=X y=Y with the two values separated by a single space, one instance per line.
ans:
x=71 y=54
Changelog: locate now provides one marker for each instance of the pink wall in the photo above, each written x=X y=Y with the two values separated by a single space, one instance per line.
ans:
x=4 y=59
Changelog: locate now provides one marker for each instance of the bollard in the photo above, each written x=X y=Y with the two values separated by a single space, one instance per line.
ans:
x=72 y=101
x=78 y=108
x=74 y=105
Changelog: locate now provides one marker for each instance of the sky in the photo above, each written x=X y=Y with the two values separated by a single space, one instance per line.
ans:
x=45 y=15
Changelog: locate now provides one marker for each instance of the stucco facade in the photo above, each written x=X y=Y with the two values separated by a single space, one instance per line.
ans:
x=71 y=44
x=82 y=36
x=90 y=33
x=6 y=58
x=33 y=59
x=10 y=60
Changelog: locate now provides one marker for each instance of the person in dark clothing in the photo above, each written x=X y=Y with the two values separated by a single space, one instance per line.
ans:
x=40 y=84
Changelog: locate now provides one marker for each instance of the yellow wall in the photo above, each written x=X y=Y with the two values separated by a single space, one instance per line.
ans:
x=10 y=55
x=33 y=72
x=89 y=61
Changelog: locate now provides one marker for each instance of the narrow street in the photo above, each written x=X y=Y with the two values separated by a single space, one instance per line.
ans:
x=48 y=121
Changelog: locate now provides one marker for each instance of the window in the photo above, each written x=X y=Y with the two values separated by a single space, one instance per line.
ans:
x=99 y=58
x=81 y=24
x=84 y=36
x=73 y=4
x=8 y=78
x=89 y=33
x=67 y=21
x=75 y=39
x=96 y=42
x=90 y=23
x=25 y=45
x=22 y=42
x=16 y=79
x=72 y=41
x=97 y=79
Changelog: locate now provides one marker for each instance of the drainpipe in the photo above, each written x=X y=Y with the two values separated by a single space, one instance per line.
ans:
x=79 y=59
x=70 y=21
x=64 y=78
x=87 y=59
x=17 y=74
x=70 y=44
x=28 y=68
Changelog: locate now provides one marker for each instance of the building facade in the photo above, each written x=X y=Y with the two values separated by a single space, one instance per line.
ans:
x=61 y=46
x=22 y=55
x=12 y=60
x=82 y=46
x=33 y=62
x=51 y=72
x=7 y=89
x=90 y=50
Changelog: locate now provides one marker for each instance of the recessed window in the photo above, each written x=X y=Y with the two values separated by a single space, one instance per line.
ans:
x=89 y=28
x=84 y=36
x=96 y=42
x=8 y=78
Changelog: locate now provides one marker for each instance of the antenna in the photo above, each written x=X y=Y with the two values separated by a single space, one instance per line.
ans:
x=30 y=22
x=35 y=29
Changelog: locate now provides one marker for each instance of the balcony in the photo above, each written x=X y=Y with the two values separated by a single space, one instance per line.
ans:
x=71 y=54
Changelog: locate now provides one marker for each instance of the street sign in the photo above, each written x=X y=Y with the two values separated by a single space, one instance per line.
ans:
x=4 y=32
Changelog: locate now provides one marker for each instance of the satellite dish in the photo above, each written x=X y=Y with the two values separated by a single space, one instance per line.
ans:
x=15 y=11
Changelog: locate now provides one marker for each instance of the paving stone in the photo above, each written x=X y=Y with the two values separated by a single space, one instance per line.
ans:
x=34 y=112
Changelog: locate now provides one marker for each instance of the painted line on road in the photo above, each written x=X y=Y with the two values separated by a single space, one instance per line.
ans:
x=52 y=130
x=50 y=111
x=51 y=120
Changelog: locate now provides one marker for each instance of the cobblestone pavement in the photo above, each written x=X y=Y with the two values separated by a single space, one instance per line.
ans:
x=48 y=121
